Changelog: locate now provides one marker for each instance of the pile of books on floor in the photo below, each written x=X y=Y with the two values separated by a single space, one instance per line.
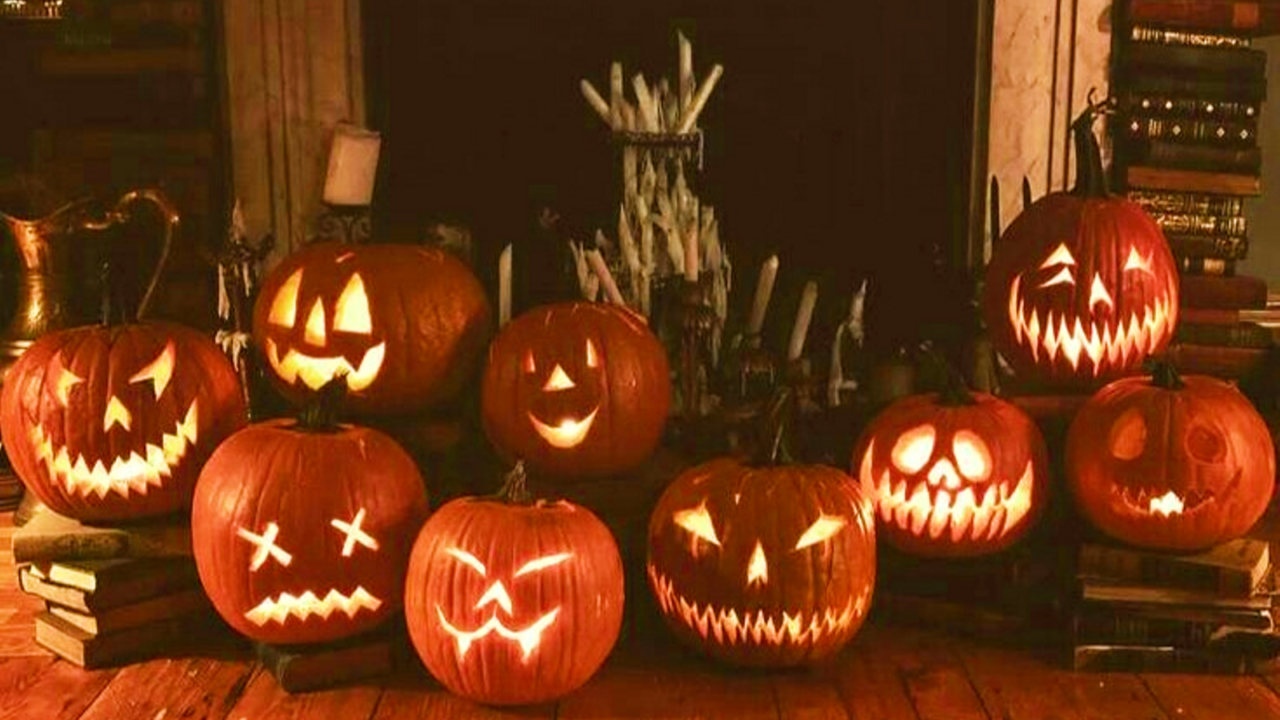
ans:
x=111 y=595
x=1190 y=89
x=1142 y=611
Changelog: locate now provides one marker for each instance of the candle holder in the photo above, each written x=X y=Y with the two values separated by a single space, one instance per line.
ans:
x=347 y=223
x=751 y=371
x=698 y=321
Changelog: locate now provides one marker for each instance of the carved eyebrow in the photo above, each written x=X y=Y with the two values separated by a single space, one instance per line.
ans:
x=468 y=559
x=542 y=563
x=1060 y=256
x=821 y=529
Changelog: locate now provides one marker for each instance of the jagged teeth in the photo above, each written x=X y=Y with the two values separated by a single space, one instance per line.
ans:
x=134 y=474
x=1165 y=503
x=726 y=626
x=303 y=606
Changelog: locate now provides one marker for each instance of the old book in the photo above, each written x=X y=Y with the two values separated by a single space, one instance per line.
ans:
x=113 y=592
x=1213 y=267
x=1248 y=619
x=50 y=536
x=1233 y=62
x=1212 y=87
x=1166 y=36
x=1204 y=316
x=304 y=668
x=94 y=651
x=134 y=575
x=1179 y=203
x=1209 y=131
x=1224 y=247
x=1095 y=624
x=1141 y=658
x=1192 y=181
x=1221 y=110
x=1099 y=590
x=1233 y=293
x=1194 y=156
x=145 y=612
x=1235 y=567
x=1223 y=362
x=189 y=60
x=1228 y=16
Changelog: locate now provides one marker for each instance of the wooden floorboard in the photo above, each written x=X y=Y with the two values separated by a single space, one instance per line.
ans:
x=264 y=700
x=188 y=688
x=928 y=670
x=806 y=695
x=45 y=688
x=667 y=694
x=414 y=696
x=1206 y=697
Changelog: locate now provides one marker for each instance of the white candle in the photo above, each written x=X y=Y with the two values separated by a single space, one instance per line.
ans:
x=691 y=254
x=685 y=76
x=615 y=96
x=504 y=286
x=353 y=163
x=606 y=278
x=593 y=98
x=690 y=116
x=804 y=314
x=764 y=291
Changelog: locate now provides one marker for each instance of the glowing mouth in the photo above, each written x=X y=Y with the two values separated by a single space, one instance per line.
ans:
x=568 y=434
x=1143 y=501
x=1118 y=346
x=316 y=371
x=963 y=514
x=528 y=638
x=303 y=606
x=135 y=473
x=754 y=628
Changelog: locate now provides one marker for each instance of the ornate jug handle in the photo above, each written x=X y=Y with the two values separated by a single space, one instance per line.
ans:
x=123 y=212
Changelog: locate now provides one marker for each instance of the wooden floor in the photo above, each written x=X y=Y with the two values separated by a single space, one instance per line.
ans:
x=888 y=673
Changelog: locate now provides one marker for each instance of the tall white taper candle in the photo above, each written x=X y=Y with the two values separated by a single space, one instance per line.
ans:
x=764 y=291
x=504 y=286
x=804 y=314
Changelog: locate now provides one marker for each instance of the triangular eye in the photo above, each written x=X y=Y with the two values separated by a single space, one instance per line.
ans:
x=1138 y=262
x=1060 y=256
x=592 y=359
x=351 y=314
x=822 y=529
x=529 y=365
x=698 y=522
x=542 y=563
x=467 y=559
x=284 y=308
x=66 y=380
x=158 y=371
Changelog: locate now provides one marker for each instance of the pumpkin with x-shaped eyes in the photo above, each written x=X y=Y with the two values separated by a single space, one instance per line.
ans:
x=113 y=423
x=301 y=534
x=513 y=601
x=576 y=389
x=763 y=566
x=403 y=323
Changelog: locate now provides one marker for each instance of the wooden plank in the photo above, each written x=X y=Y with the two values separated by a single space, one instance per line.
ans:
x=1207 y=697
x=807 y=696
x=869 y=686
x=18 y=638
x=414 y=696
x=263 y=699
x=663 y=693
x=1015 y=685
x=172 y=688
x=45 y=688
x=924 y=665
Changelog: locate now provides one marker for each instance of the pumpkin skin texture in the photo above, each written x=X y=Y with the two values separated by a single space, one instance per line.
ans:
x=281 y=512
x=405 y=323
x=576 y=390
x=735 y=552
x=1170 y=469
x=953 y=479
x=113 y=424
x=1082 y=286
x=513 y=604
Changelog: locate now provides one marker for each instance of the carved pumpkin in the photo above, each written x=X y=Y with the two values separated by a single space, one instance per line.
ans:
x=764 y=566
x=302 y=535
x=1170 y=463
x=404 y=324
x=114 y=423
x=953 y=474
x=576 y=389
x=511 y=601
x=1082 y=286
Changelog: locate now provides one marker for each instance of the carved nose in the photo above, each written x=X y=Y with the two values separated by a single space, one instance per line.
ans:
x=758 y=568
x=495 y=594
x=116 y=414
x=943 y=472
x=314 y=331
x=559 y=380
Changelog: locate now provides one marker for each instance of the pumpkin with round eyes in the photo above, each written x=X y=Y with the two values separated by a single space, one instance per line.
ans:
x=113 y=423
x=576 y=389
x=512 y=601
x=301 y=534
x=763 y=566
x=404 y=323
x=1169 y=462
x=953 y=474
x=1082 y=286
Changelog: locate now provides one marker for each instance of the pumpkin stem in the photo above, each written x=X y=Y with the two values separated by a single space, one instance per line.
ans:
x=1164 y=374
x=954 y=391
x=515 y=488
x=322 y=413
x=1091 y=179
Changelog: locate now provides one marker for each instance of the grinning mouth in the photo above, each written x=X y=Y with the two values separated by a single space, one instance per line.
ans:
x=316 y=371
x=961 y=513
x=758 y=628
x=528 y=638
x=133 y=474
x=303 y=606
x=1117 y=345
x=568 y=434
x=1144 y=501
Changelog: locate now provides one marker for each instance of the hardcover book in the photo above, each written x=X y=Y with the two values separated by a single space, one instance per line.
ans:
x=1193 y=108
x=145 y=612
x=50 y=536
x=1229 y=16
x=1236 y=567
x=1209 y=131
x=1233 y=62
x=1189 y=156
x=1212 y=267
x=1191 y=181
x=118 y=585
x=1233 y=293
x=1221 y=247
x=1181 y=203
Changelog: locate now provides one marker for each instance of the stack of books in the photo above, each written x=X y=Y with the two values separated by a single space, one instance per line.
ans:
x=1150 y=612
x=111 y=595
x=1190 y=90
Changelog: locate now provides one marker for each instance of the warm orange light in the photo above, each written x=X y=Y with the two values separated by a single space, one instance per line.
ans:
x=592 y=359
x=698 y=522
x=265 y=546
x=972 y=456
x=314 y=332
x=315 y=371
x=914 y=448
x=351 y=314
x=529 y=638
x=116 y=414
x=758 y=568
x=542 y=563
x=159 y=371
x=1098 y=294
x=354 y=534
x=1138 y=262
x=1129 y=435
x=284 y=308
x=468 y=559
x=1167 y=504
x=66 y=381
x=279 y=609
x=820 y=531
x=1061 y=255
x=559 y=380
x=567 y=434
x=1064 y=277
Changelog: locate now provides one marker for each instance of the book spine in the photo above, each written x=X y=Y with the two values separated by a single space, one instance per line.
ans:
x=1238 y=293
x=1230 y=229
x=1136 y=658
x=101 y=546
x=1217 y=88
x=1164 y=36
x=1192 y=181
x=1210 y=131
x=1114 y=628
x=1184 y=156
x=1125 y=565
x=1209 y=317
x=1188 y=107
x=1188 y=203
x=1213 y=267
x=1234 y=62
x=1206 y=15
x=1243 y=335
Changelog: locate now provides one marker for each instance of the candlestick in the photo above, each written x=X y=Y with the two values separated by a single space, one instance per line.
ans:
x=804 y=314
x=504 y=286
x=764 y=291
x=606 y=278
x=690 y=116
x=353 y=164
x=691 y=255
x=685 y=76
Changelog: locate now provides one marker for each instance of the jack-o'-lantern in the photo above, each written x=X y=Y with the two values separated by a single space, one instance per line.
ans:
x=1082 y=286
x=403 y=323
x=1169 y=462
x=512 y=601
x=301 y=529
x=953 y=473
x=767 y=566
x=113 y=423
x=576 y=389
